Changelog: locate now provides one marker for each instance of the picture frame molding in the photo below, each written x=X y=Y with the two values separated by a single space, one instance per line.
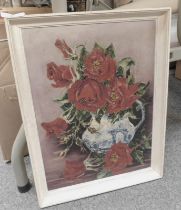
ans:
x=15 y=26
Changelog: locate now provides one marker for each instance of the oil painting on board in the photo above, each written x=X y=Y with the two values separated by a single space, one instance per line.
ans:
x=92 y=89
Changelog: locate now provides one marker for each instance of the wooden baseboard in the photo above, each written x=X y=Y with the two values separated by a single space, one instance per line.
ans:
x=27 y=10
x=178 y=70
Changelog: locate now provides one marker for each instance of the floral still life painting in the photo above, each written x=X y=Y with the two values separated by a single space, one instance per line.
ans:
x=102 y=128
x=92 y=89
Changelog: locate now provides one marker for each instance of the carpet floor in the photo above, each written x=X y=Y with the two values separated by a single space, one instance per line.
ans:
x=162 y=194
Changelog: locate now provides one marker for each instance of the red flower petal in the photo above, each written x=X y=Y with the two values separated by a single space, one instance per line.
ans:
x=61 y=75
x=55 y=127
x=64 y=48
x=87 y=95
x=118 y=158
x=73 y=169
x=120 y=95
x=99 y=67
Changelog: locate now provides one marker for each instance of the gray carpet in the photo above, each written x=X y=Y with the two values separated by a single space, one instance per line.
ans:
x=174 y=102
x=163 y=194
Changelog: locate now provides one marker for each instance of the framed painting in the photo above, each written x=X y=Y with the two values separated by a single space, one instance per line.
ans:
x=92 y=90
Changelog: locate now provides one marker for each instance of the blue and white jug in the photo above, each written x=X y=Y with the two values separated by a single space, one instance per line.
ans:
x=108 y=133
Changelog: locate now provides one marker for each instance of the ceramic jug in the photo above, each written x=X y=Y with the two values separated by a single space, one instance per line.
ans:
x=106 y=133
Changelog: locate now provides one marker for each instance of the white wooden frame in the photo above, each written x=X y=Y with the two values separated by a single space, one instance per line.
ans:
x=14 y=28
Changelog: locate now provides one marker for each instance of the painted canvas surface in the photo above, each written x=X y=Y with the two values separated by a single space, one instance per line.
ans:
x=92 y=88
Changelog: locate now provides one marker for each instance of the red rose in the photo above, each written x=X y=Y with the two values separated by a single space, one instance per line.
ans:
x=55 y=128
x=63 y=47
x=118 y=158
x=87 y=95
x=74 y=169
x=100 y=67
x=61 y=75
x=120 y=95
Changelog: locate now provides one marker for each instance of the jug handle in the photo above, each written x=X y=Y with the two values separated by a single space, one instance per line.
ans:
x=142 y=113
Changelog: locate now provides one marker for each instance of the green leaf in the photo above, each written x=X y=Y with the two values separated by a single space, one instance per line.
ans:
x=142 y=89
x=124 y=65
x=66 y=112
x=78 y=115
x=120 y=72
x=83 y=53
x=138 y=156
x=110 y=51
x=65 y=97
x=111 y=116
x=147 y=142
x=103 y=174
x=99 y=115
x=66 y=106
x=87 y=116
x=72 y=114
x=97 y=46
x=131 y=79
x=80 y=63
x=119 y=116
x=147 y=145
x=74 y=57
x=114 y=117
x=83 y=116
x=93 y=162
x=130 y=114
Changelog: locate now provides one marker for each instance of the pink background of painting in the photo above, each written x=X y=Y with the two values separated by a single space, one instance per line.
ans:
x=130 y=39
